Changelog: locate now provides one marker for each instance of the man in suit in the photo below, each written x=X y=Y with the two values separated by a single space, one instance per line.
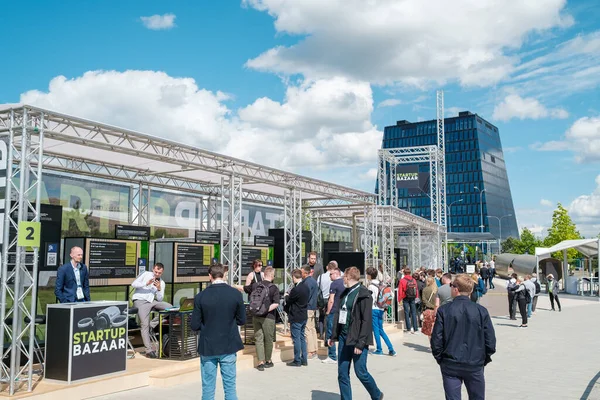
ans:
x=72 y=280
x=218 y=311
x=463 y=341
x=296 y=306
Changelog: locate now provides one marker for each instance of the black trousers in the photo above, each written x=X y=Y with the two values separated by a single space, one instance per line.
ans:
x=512 y=312
x=534 y=305
x=474 y=382
x=553 y=297
x=523 y=310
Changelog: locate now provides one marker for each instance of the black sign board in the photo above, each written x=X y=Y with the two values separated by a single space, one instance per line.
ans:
x=264 y=241
x=249 y=254
x=208 y=237
x=192 y=259
x=132 y=232
x=109 y=258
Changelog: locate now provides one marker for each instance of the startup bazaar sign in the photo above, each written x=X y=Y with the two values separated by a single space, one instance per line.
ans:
x=407 y=176
x=99 y=341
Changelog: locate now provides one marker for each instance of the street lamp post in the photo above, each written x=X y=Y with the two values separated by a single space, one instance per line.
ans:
x=449 y=213
x=500 y=225
x=481 y=211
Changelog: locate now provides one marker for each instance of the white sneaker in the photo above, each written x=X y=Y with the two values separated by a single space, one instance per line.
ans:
x=328 y=361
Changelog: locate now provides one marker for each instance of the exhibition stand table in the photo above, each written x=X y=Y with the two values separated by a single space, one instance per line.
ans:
x=85 y=340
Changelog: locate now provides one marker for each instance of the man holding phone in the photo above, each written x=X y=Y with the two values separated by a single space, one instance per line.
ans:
x=148 y=297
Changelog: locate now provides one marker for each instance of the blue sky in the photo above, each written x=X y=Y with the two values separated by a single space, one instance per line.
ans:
x=315 y=83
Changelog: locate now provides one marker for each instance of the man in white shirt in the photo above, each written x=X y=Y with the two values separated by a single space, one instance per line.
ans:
x=148 y=296
x=324 y=282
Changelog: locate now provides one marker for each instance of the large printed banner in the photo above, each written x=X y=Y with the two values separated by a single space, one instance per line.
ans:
x=94 y=208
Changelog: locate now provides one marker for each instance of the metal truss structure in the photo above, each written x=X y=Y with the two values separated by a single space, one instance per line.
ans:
x=42 y=140
x=389 y=159
x=25 y=143
x=231 y=228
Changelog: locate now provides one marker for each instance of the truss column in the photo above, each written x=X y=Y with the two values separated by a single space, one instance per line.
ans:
x=382 y=173
x=292 y=234
x=139 y=207
x=209 y=213
x=370 y=230
x=231 y=227
x=317 y=237
x=19 y=281
x=388 y=253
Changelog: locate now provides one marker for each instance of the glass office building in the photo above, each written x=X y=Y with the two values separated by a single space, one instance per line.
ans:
x=474 y=162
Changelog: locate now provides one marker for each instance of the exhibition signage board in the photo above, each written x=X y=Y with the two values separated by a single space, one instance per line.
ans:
x=85 y=340
x=208 y=237
x=192 y=261
x=264 y=241
x=132 y=232
x=249 y=254
x=112 y=261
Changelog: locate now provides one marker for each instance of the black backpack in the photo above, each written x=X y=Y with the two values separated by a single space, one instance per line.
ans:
x=321 y=302
x=527 y=296
x=259 y=300
x=538 y=288
x=411 y=289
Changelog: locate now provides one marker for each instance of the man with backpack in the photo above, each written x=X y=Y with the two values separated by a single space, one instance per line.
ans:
x=264 y=300
x=408 y=292
x=382 y=299
x=530 y=286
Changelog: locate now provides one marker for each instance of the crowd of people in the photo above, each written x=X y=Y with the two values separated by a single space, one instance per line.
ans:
x=338 y=308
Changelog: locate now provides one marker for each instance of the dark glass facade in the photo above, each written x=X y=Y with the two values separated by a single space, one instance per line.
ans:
x=474 y=158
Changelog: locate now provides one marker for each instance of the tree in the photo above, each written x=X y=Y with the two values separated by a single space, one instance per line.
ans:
x=528 y=243
x=511 y=245
x=563 y=228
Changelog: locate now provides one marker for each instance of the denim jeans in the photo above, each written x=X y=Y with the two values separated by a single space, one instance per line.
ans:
x=208 y=372
x=345 y=357
x=331 y=353
x=474 y=382
x=529 y=309
x=410 y=311
x=299 y=340
x=378 y=331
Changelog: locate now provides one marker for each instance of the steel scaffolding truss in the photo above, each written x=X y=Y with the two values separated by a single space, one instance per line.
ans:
x=292 y=234
x=139 y=209
x=19 y=277
x=316 y=235
x=210 y=220
x=231 y=228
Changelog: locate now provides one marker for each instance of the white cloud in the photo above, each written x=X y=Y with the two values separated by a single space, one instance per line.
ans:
x=585 y=212
x=582 y=138
x=369 y=175
x=546 y=203
x=390 y=103
x=412 y=42
x=324 y=123
x=159 y=22
x=514 y=106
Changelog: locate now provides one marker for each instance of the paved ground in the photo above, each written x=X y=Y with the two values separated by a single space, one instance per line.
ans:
x=557 y=357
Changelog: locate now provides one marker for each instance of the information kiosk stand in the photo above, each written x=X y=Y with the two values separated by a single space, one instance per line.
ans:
x=85 y=340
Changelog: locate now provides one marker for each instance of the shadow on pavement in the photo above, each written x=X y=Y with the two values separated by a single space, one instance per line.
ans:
x=320 y=395
x=418 y=347
x=590 y=388
x=511 y=325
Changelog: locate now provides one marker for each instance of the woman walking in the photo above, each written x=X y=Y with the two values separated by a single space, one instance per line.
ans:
x=521 y=295
x=428 y=303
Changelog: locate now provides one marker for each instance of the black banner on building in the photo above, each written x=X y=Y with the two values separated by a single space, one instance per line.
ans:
x=99 y=341
x=407 y=176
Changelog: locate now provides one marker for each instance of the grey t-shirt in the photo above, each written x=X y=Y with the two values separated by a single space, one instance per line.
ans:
x=444 y=294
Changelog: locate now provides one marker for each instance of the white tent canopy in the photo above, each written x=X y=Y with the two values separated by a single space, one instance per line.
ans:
x=587 y=247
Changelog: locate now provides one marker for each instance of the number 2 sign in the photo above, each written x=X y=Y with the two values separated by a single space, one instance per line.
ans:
x=29 y=234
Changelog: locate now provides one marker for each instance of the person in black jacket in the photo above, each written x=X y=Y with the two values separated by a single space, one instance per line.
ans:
x=218 y=311
x=353 y=330
x=296 y=306
x=463 y=341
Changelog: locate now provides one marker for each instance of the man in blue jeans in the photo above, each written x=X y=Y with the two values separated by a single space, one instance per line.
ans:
x=354 y=332
x=408 y=292
x=335 y=292
x=218 y=311
x=378 y=312
x=296 y=306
